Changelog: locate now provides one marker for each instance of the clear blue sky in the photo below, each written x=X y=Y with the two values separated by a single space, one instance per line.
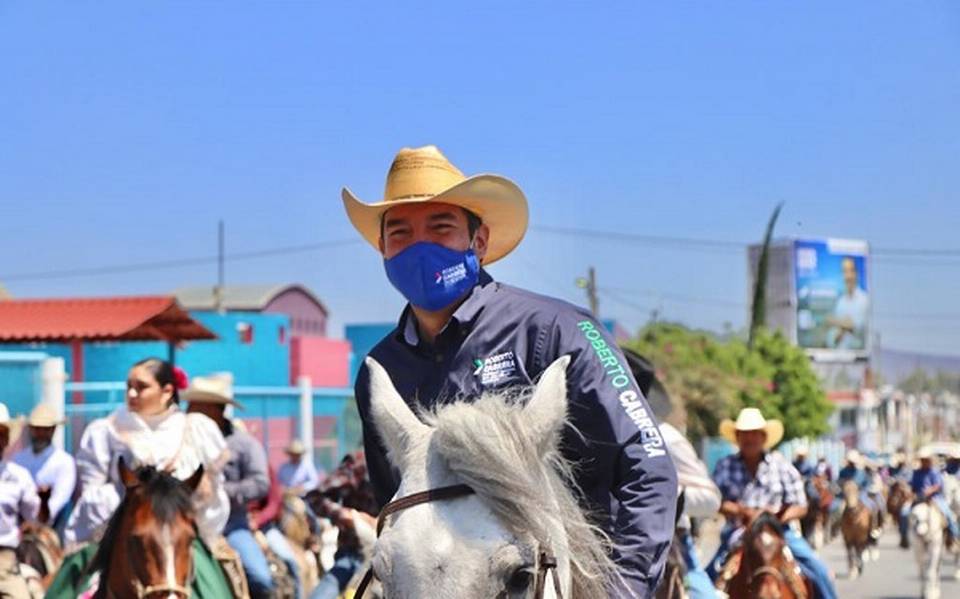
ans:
x=128 y=129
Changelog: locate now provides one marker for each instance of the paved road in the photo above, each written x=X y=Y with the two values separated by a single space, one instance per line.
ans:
x=894 y=576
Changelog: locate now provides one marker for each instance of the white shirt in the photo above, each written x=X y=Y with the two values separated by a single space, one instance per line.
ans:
x=52 y=468
x=172 y=439
x=18 y=496
x=700 y=494
x=298 y=475
x=854 y=307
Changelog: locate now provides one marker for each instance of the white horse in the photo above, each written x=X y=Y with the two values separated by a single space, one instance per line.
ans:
x=490 y=543
x=927 y=525
x=951 y=490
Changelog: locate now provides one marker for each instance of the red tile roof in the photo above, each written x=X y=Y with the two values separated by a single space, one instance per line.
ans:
x=104 y=319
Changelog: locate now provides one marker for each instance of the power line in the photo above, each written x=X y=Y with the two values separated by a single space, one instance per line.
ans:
x=695 y=243
x=177 y=263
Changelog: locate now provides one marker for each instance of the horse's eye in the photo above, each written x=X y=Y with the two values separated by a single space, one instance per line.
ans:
x=520 y=580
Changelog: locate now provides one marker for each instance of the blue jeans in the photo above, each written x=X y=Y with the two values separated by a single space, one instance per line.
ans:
x=698 y=585
x=254 y=562
x=279 y=544
x=334 y=581
x=809 y=564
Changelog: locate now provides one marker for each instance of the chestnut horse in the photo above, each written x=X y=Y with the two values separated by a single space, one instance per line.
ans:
x=900 y=495
x=764 y=570
x=146 y=549
x=855 y=524
x=816 y=523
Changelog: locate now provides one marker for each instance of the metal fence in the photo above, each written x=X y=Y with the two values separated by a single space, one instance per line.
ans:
x=323 y=418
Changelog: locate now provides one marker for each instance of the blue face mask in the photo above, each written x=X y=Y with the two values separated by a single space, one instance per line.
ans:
x=431 y=276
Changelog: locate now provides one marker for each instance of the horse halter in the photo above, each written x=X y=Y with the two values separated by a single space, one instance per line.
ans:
x=546 y=560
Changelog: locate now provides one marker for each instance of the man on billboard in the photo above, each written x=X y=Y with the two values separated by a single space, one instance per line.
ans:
x=848 y=324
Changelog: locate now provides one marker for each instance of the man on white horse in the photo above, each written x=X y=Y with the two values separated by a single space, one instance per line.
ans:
x=755 y=480
x=927 y=485
x=463 y=333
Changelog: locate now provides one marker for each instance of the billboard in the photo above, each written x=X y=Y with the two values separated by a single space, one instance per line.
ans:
x=832 y=295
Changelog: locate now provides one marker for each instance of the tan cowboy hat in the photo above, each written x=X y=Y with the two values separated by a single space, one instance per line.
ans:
x=750 y=419
x=14 y=425
x=925 y=453
x=216 y=388
x=424 y=174
x=44 y=416
x=296 y=447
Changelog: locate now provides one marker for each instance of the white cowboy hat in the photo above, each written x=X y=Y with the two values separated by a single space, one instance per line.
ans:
x=216 y=389
x=14 y=425
x=44 y=416
x=925 y=453
x=853 y=456
x=296 y=447
x=751 y=419
x=424 y=174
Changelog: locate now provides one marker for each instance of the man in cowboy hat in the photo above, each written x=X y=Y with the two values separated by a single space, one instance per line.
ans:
x=18 y=500
x=298 y=475
x=800 y=462
x=855 y=470
x=756 y=480
x=53 y=469
x=462 y=333
x=927 y=484
x=245 y=475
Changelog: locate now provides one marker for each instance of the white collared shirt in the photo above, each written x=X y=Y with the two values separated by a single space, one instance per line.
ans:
x=52 y=468
x=174 y=440
x=18 y=497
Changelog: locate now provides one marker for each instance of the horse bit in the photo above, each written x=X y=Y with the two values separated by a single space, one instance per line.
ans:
x=547 y=561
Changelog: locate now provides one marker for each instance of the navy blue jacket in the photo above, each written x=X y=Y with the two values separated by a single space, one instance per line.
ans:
x=503 y=336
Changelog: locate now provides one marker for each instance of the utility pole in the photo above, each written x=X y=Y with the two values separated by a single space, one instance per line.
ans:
x=590 y=285
x=218 y=290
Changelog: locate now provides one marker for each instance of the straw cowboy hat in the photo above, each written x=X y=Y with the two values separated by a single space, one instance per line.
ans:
x=14 y=425
x=216 y=389
x=750 y=419
x=296 y=447
x=420 y=175
x=44 y=416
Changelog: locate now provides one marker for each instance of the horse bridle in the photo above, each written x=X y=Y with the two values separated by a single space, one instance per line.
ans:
x=145 y=591
x=546 y=560
x=779 y=575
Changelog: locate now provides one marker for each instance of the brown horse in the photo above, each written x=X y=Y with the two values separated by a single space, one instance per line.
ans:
x=900 y=495
x=855 y=525
x=146 y=550
x=41 y=550
x=761 y=569
x=816 y=523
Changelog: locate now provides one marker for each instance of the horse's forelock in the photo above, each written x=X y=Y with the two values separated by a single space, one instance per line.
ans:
x=491 y=446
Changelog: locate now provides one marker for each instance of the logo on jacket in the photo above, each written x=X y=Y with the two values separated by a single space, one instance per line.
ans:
x=451 y=275
x=495 y=369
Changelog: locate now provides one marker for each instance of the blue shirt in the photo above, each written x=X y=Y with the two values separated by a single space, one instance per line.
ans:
x=852 y=473
x=803 y=467
x=501 y=336
x=776 y=485
x=923 y=479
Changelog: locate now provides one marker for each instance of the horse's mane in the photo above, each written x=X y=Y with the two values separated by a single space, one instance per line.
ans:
x=168 y=497
x=492 y=447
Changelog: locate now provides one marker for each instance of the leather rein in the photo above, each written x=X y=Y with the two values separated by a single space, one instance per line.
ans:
x=546 y=560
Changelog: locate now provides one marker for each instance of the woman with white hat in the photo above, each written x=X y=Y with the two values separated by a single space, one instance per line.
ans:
x=18 y=499
x=149 y=429
x=756 y=480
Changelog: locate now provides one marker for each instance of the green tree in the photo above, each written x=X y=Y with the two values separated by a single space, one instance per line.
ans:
x=711 y=379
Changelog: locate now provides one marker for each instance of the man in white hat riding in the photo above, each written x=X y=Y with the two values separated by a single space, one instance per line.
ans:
x=53 y=469
x=245 y=475
x=298 y=474
x=18 y=501
x=462 y=333
x=756 y=480
x=927 y=484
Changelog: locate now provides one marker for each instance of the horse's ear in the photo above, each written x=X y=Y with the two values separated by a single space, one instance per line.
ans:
x=393 y=419
x=547 y=408
x=194 y=481
x=127 y=476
